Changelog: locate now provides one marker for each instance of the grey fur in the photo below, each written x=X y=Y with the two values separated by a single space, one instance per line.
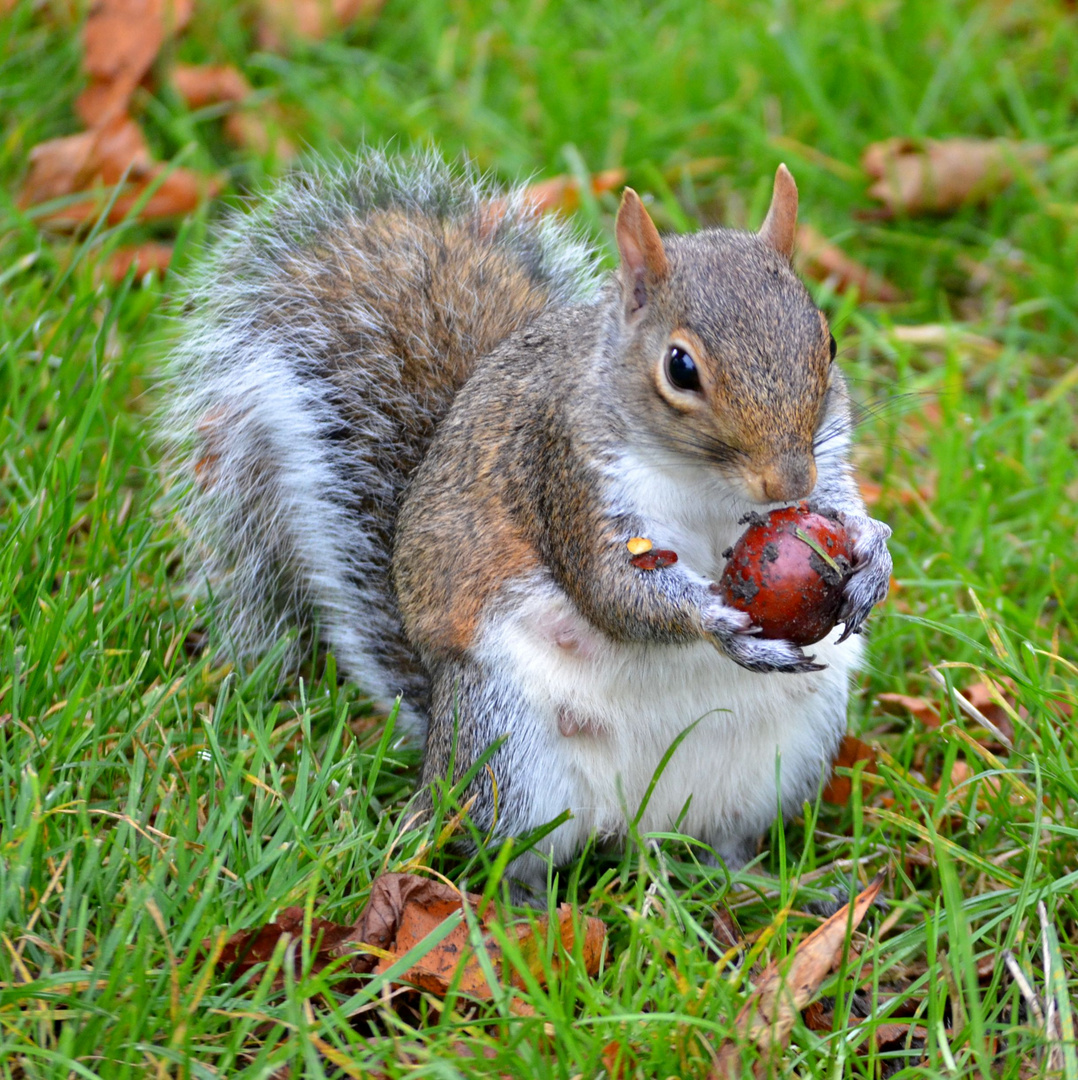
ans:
x=405 y=405
x=286 y=390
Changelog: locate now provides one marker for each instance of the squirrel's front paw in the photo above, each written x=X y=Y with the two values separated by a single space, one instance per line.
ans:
x=733 y=634
x=871 y=577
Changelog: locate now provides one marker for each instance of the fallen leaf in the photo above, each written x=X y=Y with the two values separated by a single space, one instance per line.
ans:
x=144 y=258
x=414 y=906
x=850 y=752
x=563 y=192
x=250 y=131
x=121 y=40
x=937 y=176
x=919 y=708
x=280 y=20
x=96 y=161
x=619 y=1059
x=724 y=929
x=768 y=1016
x=821 y=260
x=329 y=943
x=71 y=163
x=985 y=699
x=203 y=84
x=401 y=911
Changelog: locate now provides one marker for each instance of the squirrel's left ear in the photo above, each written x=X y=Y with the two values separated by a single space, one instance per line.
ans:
x=779 y=229
x=643 y=260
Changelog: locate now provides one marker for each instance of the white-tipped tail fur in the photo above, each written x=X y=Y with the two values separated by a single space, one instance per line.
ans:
x=324 y=338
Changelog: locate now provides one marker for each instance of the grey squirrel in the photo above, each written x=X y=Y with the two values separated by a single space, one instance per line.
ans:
x=409 y=407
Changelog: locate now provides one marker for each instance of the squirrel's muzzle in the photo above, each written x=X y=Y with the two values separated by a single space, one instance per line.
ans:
x=784 y=479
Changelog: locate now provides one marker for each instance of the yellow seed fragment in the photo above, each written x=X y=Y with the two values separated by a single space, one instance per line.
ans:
x=638 y=545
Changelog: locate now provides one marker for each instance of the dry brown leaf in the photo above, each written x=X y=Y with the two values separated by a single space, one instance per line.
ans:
x=280 y=20
x=330 y=943
x=401 y=911
x=980 y=695
x=768 y=1016
x=938 y=176
x=563 y=192
x=72 y=163
x=918 y=707
x=144 y=258
x=95 y=162
x=619 y=1059
x=121 y=41
x=414 y=906
x=250 y=131
x=724 y=928
x=850 y=752
x=821 y=260
x=209 y=84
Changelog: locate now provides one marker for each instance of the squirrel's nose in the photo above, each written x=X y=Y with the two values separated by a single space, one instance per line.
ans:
x=788 y=478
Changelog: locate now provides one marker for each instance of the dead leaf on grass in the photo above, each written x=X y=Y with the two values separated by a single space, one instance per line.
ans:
x=121 y=40
x=850 y=752
x=768 y=1017
x=414 y=906
x=209 y=84
x=821 y=260
x=938 y=176
x=143 y=257
x=401 y=911
x=99 y=159
x=280 y=20
x=562 y=193
x=253 y=131
x=921 y=709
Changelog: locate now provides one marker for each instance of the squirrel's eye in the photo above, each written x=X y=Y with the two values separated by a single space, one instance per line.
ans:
x=834 y=347
x=681 y=369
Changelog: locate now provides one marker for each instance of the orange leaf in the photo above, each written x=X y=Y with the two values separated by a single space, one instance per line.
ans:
x=920 y=708
x=821 y=260
x=251 y=132
x=401 y=911
x=280 y=20
x=121 y=40
x=203 y=84
x=415 y=906
x=767 y=1017
x=563 y=192
x=144 y=257
x=851 y=751
x=938 y=176
x=100 y=159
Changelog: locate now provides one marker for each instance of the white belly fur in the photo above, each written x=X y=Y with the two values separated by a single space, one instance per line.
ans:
x=630 y=702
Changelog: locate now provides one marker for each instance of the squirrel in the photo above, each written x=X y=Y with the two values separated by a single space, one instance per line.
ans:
x=410 y=408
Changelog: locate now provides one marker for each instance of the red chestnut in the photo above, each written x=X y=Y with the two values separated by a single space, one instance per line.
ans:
x=787 y=573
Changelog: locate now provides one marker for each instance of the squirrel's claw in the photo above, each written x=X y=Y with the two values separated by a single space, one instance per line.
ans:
x=736 y=638
x=871 y=578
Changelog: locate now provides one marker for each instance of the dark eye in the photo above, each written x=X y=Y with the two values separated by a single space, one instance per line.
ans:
x=681 y=369
x=834 y=347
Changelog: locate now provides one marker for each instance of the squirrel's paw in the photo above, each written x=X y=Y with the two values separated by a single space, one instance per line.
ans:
x=733 y=634
x=871 y=577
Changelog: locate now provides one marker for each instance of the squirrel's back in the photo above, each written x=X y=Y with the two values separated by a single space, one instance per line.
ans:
x=325 y=337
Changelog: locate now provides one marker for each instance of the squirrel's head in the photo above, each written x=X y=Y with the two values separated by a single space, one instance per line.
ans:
x=731 y=358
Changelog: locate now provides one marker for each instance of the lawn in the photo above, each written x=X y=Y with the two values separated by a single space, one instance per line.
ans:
x=154 y=799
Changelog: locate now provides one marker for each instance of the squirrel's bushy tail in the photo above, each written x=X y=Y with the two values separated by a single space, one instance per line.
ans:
x=324 y=338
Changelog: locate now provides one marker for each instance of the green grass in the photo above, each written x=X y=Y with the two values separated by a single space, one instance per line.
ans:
x=150 y=799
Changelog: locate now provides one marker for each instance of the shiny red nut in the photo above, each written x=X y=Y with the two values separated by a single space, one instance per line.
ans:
x=788 y=571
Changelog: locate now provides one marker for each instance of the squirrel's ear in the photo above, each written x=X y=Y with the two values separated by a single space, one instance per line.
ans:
x=643 y=260
x=780 y=226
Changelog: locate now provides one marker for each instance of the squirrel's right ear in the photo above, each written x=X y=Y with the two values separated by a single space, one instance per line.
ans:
x=779 y=229
x=643 y=260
